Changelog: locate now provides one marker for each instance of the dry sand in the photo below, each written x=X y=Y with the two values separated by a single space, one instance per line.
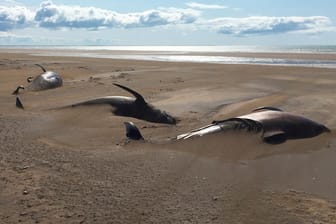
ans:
x=72 y=166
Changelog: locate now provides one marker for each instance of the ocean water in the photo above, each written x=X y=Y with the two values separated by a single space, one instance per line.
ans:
x=235 y=48
x=196 y=54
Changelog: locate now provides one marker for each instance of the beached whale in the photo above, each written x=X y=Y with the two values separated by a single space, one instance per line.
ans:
x=275 y=126
x=46 y=80
x=131 y=107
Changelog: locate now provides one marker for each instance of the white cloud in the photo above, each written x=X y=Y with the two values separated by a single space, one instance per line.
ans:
x=268 y=25
x=13 y=17
x=53 y=16
x=205 y=6
x=50 y=15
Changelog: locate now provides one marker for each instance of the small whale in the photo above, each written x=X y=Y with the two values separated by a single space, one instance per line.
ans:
x=135 y=107
x=44 y=81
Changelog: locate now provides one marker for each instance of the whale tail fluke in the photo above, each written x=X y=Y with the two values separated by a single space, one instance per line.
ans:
x=17 y=90
x=132 y=132
x=43 y=69
x=19 y=103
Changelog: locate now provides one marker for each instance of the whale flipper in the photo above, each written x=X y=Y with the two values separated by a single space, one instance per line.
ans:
x=43 y=69
x=274 y=137
x=19 y=103
x=138 y=96
x=132 y=132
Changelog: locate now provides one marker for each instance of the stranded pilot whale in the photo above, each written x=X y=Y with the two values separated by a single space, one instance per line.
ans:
x=275 y=126
x=46 y=80
x=131 y=107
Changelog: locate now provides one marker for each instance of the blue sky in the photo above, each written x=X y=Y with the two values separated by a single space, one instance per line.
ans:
x=135 y=22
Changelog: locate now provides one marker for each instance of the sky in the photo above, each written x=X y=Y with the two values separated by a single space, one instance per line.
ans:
x=167 y=22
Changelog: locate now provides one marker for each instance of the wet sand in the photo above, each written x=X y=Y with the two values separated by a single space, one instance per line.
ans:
x=73 y=166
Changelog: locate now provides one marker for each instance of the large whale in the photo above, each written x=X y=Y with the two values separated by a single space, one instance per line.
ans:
x=46 y=80
x=135 y=107
x=275 y=126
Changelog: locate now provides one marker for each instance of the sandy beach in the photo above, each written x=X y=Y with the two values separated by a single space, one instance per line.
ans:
x=73 y=166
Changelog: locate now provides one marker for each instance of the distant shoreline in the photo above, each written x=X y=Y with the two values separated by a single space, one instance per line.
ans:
x=316 y=49
x=191 y=54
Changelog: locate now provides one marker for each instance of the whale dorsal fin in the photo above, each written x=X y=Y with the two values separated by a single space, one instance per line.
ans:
x=266 y=108
x=43 y=69
x=138 y=97
x=132 y=132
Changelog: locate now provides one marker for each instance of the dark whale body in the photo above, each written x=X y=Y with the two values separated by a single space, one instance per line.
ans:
x=132 y=107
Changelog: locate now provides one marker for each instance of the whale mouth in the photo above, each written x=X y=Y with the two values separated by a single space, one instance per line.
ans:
x=166 y=118
x=171 y=120
x=326 y=129
x=322 y=128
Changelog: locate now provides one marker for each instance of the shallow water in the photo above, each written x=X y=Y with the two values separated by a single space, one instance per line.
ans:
x=195 y=54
